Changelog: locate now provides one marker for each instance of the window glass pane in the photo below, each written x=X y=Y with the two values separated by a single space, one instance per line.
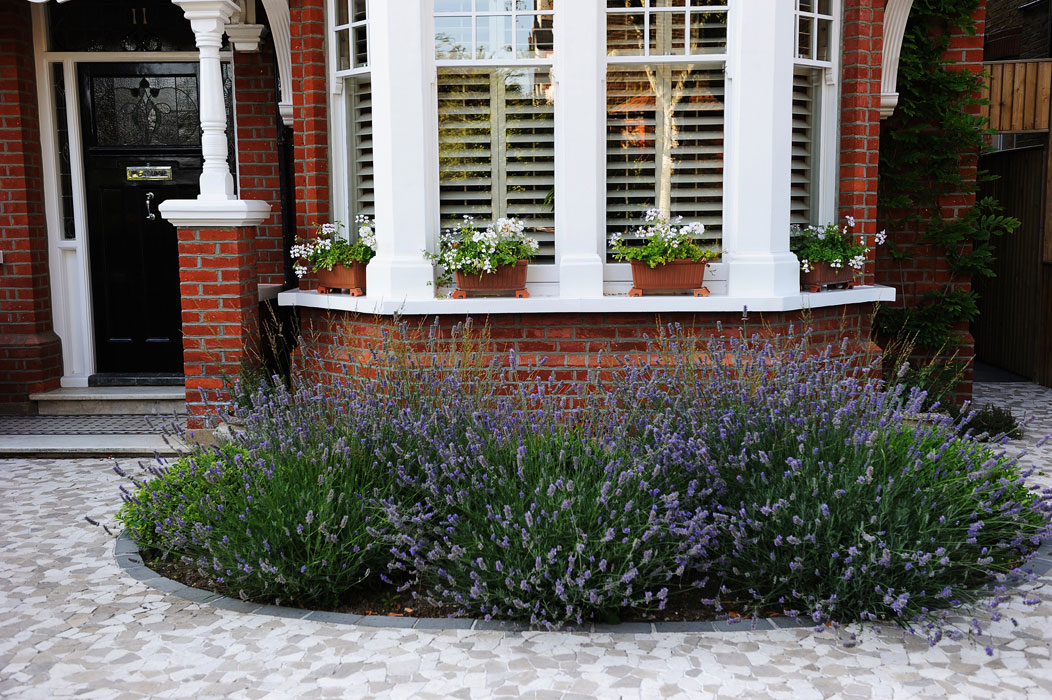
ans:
x=452 y=5
x=825 y=40
x=535 y=5
x=708 y=32
x=668 y=3
x=358 y=10
x=624 y=3
x=496 y=133
x=624 y=34
x=493 y=36
x=65 y=171
x=825 y=7
x=803 y=40
x=343 y=50
x=664 y=145
x=453 y=37
x=341 y=12
x=667 y=33
x=494 y=5
x=533 y=36
x=805 y=5
x=361 y=46
x=360 y=146
x=804 y=196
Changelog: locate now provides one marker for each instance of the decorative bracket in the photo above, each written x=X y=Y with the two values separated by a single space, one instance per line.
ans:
x=895 y=15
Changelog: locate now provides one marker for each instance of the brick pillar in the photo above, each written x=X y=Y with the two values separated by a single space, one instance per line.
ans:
x=219 y=287
x=30 y=352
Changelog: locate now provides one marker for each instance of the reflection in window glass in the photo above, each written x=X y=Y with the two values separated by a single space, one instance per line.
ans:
x=664 y=145
x=496 y=132
x=494 y=29
x=666 y=28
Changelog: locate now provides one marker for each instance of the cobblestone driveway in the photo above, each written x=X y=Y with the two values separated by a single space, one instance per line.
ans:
x=73 y=625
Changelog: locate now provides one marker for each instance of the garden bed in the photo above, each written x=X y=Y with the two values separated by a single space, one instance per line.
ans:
x=758 y=477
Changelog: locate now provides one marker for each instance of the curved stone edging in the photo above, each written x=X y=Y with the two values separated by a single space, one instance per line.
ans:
x=126 y=552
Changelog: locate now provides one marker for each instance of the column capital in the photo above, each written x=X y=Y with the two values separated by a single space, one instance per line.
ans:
x=208 y=9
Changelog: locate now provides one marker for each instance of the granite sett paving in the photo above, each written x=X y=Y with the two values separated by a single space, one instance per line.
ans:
x=73 y=623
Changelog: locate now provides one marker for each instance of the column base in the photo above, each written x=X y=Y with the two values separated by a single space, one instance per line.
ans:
x=762 y=274
x=581 y=276
x=398 y=279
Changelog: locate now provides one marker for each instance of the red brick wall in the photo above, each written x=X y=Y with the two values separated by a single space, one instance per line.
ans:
x=30 y=352
x=863 y=36
x=336 y=344
x=924 y=268
x=257 y=143
x=218 y=283
x=310 y=110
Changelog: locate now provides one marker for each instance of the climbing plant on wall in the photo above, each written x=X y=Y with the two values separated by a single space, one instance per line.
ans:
x=935 y=131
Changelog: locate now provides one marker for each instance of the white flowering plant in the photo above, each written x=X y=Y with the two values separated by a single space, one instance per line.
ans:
x=664 y=240
x=472 y=250
x=834 y=244
x=328 y=247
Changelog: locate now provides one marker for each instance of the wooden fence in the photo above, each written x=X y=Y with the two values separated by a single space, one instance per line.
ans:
x=1014 y=328
x=1019 y=93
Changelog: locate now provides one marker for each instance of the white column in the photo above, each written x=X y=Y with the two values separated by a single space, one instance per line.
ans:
x=216 y=205
x=400 y=56
x=580 y=147
x=759 y=150
x=209 y=18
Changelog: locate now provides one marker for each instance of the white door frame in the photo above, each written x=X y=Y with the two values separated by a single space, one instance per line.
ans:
x=68 y=260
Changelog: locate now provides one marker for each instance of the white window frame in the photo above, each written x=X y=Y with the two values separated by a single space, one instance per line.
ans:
x=828 y=141
x=617 y=276
x=543 y=279
x=757 y=265
x=339 y=118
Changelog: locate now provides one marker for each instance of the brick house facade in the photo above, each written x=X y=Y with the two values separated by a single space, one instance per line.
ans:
x=232 y=241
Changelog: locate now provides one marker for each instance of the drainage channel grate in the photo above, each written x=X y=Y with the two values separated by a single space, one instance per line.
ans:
x=87 y=425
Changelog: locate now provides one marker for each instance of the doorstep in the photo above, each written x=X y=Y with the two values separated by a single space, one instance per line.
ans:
x=112 y=400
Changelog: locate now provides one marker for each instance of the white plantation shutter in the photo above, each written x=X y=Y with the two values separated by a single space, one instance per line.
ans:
x=360 y=146
x=496 y=134
x=804 y=195
x=665 y=145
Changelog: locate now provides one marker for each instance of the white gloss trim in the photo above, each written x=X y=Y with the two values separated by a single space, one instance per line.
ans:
x=607 y=304
x=223 y=213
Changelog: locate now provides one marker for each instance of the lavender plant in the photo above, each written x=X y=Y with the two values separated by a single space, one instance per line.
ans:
x=827 y=503
x=769 y=475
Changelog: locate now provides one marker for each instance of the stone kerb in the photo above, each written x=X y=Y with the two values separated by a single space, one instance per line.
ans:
x=130 y=560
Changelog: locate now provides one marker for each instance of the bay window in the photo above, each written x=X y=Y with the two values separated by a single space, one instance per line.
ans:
x=722 y=112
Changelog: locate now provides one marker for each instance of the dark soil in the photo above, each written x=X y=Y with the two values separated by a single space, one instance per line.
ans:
x=684 y=605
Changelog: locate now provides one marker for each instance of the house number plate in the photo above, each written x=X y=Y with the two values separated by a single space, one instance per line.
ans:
x=138 y=174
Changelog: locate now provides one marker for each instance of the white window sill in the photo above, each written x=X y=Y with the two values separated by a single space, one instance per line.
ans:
x=606 y=304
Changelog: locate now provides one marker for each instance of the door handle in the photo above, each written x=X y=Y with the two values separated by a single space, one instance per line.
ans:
x=150 y=216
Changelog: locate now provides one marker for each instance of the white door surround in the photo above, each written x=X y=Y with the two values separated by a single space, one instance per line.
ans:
x=69 y=264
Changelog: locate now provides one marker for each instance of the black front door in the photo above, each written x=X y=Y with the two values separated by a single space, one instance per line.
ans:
x=142 y=145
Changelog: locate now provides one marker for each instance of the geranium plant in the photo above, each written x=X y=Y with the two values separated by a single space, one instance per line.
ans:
x=832 y=244
x=471 y=250
x=664 y=240
x=328 y=247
